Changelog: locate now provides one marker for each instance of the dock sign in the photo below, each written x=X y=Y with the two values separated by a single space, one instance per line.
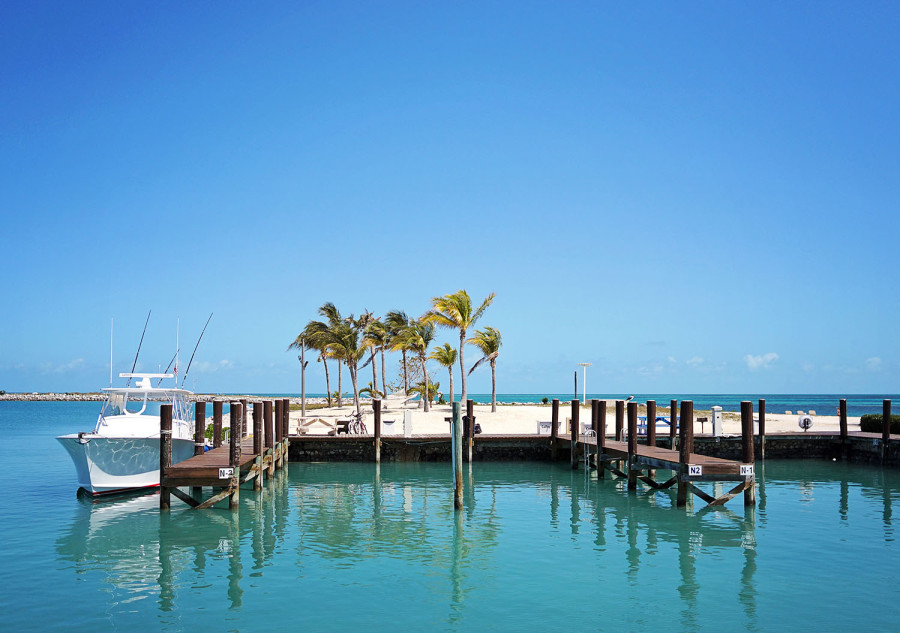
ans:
x=226 y=473
x=746 y=470
x=695 y=470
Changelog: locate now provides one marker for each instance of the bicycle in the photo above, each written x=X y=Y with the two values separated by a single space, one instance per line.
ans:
x=357 y=426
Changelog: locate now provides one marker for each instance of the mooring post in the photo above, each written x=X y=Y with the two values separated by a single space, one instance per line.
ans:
x=234 y=456
x=276 y=453
x=470 y=428
x=258 y=444
x=601 y=438
x=632 y=445
x=673 y=422
x=573 y=432
x=269 y=435
x=243 y=417
x=685 y=448
x=199 y=434
x=651 y=422
x=554 y=430
x=285 y=430
x=842 y=412
x=747 y=456
x=762 y=429
x=885 y=429
x=217 y=423
x=165 y=453
x=376 y=407
x=620 y=420
x=457 y=459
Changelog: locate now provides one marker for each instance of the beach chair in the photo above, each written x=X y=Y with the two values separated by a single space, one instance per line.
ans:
x=311 y=424
x=343 y=426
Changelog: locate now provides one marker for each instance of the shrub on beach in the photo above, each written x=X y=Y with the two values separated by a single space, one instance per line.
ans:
x=872 y=423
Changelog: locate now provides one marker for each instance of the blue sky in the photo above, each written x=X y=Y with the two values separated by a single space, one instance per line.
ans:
x=694 y=197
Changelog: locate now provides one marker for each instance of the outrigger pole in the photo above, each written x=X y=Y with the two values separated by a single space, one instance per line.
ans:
x=183 y=378
x=134 y=364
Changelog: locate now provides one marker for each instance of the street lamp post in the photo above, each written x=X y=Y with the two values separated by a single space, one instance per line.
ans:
x=584 y=367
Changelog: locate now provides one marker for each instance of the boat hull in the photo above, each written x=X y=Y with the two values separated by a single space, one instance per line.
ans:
x=106 y=465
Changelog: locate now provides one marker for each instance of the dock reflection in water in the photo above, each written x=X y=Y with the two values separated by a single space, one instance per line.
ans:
x=353 y=544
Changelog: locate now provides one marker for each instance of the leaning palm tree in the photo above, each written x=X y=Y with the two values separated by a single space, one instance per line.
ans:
x=316 y=336
x=488 y=341
x=455 y=311
x=446 y=356
x=417 y=337
x=334 y=319
x=376 y=338
x=394 y=322
x=346 y=345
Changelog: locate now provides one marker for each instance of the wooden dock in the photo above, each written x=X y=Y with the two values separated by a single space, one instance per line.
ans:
x=224 y=468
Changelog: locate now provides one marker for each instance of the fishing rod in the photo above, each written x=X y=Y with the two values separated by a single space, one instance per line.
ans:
x=183 y=378
x=168 y=367
x=134 y=364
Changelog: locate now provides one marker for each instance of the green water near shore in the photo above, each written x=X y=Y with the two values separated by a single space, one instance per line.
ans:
x=332 y=547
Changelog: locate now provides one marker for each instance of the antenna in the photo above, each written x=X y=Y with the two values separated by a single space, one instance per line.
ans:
x=110 y=349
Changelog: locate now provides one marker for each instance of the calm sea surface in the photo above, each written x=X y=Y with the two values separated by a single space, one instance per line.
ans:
x=338 y=547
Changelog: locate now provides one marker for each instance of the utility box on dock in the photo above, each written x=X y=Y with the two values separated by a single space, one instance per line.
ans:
x=407 y=423
x=717 y=421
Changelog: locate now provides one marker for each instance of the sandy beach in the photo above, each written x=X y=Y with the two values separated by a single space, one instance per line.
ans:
x=523 y=419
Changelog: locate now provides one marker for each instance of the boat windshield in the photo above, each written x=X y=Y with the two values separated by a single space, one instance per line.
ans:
x=146 y=403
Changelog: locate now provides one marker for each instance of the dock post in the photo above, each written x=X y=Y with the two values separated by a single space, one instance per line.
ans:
x=600 y=429
x=620 y=420
x=747 y=456
x=554 y=430
x=632 y=445
x=376 y=407
x=673 y=422
x=842 y=409
x=258 y=444
x=573 y=432
x=276 y=452
x=457 y=459
x=234 y=456
x=885 y=429
x=686 y=447
x=217 y=423
x=165 y=453
x=269 y=435
x=469 y=432
x=285 y=430
x=651 y=422
x=199 y=434
x=762 y=429
x=243 y=418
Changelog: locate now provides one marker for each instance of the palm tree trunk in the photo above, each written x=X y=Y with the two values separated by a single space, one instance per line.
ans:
x=374 y=374
x=353 y=378
x=405 y=376
x=340 y=386
x=450 y=369
x=462 y=367
x=493 y=386
x=383 y=379
x=327 y=382
x=426 y=397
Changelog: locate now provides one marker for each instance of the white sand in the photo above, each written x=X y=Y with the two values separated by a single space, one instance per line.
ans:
x=523 y=419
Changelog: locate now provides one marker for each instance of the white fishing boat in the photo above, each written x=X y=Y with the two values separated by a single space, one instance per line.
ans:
x=122 y=452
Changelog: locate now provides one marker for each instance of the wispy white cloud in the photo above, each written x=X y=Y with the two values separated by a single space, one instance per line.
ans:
x=763 y=361
x=72 y=365
x=874 y=364
x=207 y=367
x=696 y=361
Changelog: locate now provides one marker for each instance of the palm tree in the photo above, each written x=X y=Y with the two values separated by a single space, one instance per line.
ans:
x=428 y=393
x=347 y=346
x=394 y=322
x=488 y=341
x=316 y=336
x=446 y=356
x=376 y=337
x=417 y=337
x=455 y=311
x=333 y=315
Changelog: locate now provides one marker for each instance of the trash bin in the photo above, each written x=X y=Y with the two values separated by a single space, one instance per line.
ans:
x=717 y=421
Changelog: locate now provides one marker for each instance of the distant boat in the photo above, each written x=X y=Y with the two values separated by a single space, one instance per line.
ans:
x=122 y=452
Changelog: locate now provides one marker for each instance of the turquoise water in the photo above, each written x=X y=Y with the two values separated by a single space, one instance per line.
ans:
x=336 y=547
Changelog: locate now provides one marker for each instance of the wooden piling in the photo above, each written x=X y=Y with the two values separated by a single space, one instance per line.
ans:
x=620 y=420
x=279 y=430
x=376 y=408
x=217 y=423
x=258 y=444
x=686 y=447
x=651 y=422
x=554 y=429
x=747 y=456
x=234 y=456
x=573 y=433
x=286 y=419
x=165 y=452
x=470 y=428
x=243 y=418
x=842 y=412
x=762 y=429
x=199 y=427
x=457 y=459
x=269 y=433
x=632 y=445
x=673 y=422
x=885 y=428
x=599 y=425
